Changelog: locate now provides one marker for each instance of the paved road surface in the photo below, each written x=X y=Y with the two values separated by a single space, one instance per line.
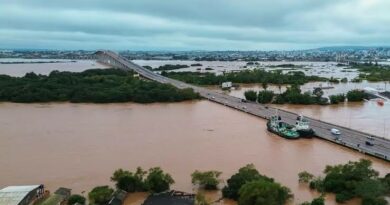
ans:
x=350 y=138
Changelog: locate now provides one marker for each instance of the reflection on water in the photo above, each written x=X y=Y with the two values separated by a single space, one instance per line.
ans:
x=80 y=145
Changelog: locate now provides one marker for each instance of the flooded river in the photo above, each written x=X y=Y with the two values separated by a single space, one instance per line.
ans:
x=80 y=145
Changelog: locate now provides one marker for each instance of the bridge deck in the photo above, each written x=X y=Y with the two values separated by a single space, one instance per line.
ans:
x=349 y=138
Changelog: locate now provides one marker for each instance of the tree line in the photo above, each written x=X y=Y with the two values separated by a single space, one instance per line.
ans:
x=90 y=86
x=246 y=76
x=294 y=95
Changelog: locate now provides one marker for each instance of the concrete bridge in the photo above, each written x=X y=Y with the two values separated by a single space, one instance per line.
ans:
x=353 y=139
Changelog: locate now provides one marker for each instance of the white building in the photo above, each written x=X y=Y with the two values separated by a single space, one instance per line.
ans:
x=226 y=84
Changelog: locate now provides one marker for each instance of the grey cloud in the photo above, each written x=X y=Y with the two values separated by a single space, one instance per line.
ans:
x=200 y=24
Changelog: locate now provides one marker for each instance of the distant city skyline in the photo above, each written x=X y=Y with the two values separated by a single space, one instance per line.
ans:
x=178 y=25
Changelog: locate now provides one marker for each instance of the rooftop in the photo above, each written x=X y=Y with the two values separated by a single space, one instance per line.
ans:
x=13 y=195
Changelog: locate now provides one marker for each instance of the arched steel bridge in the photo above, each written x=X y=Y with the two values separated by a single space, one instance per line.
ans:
x=351 y=138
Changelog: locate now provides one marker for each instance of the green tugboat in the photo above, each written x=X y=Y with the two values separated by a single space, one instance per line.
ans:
x=275 y=125
x=303 y=128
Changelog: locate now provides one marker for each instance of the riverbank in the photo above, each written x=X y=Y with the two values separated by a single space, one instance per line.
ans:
x=80 y=145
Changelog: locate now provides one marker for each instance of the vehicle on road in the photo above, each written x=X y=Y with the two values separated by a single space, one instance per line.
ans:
x=276 y=126
x=370 y=138
x=335 y=131
x=244 y=101
x=369 y=143
x=212 y=97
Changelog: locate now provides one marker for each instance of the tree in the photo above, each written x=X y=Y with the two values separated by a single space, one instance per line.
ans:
x=208 y=179
x=263 y=192
x=158 y=181
x=356 y=95
x=128 y=181
x=100 y=195
x=265 y=96
x=318 y=201
x=264 y=85
x=305 y=177
x=75 y=198
x=244 y=175
x=200 y=199
x=250 y=95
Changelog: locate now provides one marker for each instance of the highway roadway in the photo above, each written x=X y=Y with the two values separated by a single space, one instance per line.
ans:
x=350 y=138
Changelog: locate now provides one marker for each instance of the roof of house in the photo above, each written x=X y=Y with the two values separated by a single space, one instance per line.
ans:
x=118 y=198
x=170 y=198
x=13 y=195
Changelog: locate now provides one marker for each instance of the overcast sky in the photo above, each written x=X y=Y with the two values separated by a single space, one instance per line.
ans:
x=193 y=24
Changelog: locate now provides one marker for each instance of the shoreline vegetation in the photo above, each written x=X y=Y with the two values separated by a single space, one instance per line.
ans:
x=351 y=180
x=354 y=179
x=90 y=86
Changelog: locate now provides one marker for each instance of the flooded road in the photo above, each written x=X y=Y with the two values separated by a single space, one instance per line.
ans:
x=80 y=145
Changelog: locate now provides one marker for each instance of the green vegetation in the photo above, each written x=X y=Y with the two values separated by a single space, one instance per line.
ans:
x=171 y=67
x=95 y=85
x=196 y=64
x=354 y=179
x=317 y=201
x=158 y=181
x=265 y=96
x=335 y=99
x=247 y=76
x=129 y=181
x=200 y=199
x=356 y=95
x=154 y=181
x=245 y=174
x=263 y=192
x=251 y=95
x=208 y=180
x=75 y=198
x=305 y=177
x=373 y=72
x=100 y=195
x=334 y=80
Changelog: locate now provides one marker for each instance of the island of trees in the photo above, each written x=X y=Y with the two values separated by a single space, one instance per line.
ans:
x=352 y=180
x=90 y=86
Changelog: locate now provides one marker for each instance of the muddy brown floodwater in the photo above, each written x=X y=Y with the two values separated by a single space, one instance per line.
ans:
x=80 y=145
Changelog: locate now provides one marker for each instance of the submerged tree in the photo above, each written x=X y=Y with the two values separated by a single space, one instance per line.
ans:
x=208 y=179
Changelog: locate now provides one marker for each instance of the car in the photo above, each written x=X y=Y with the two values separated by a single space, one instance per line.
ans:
x=335 y=131
x=243 y=100
x=370 y=138
x=212 y=97
x=243 y=107
x=369 y=143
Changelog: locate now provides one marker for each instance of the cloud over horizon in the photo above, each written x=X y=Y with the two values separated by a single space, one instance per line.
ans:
x=193 y=25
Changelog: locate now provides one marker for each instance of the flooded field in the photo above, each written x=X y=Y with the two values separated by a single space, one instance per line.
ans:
x=80 y=145
x=323 y=69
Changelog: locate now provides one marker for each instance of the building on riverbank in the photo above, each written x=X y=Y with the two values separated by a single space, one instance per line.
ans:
x=21 y=195
x=170 y=198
